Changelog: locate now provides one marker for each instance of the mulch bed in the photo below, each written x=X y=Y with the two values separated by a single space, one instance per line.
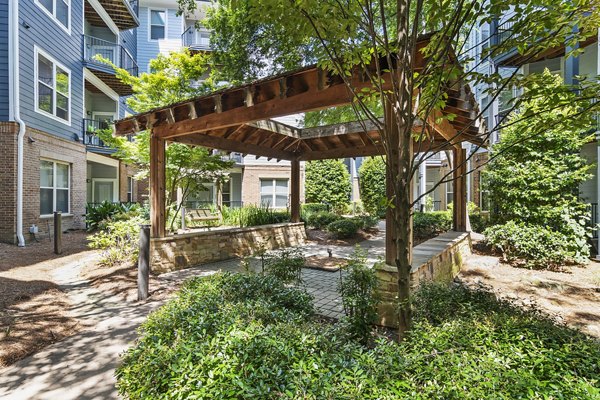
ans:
x=330 y=264
x=326 y=239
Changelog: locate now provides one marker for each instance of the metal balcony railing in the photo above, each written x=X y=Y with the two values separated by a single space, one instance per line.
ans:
x=118 y=55
x=196 y=39
x=90 y=129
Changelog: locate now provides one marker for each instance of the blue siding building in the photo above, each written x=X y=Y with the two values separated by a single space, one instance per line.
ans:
x=54 y=95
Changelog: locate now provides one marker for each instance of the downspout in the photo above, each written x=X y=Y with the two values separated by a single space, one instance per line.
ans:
x=13 y=71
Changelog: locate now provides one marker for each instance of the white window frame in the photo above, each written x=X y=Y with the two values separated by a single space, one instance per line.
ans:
x=130 y=189
x=115 y=184
x=52 y=14
x=54 y=188
x=37 y=53
x=166 y=11
x=274 y=193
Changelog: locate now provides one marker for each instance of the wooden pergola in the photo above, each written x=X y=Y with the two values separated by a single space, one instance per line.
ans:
x=238 y=119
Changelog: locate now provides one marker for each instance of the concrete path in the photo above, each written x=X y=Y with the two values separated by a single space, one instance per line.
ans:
x=82 y=366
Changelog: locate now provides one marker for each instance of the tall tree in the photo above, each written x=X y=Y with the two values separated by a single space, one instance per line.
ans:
x=174 y=77
x=380 y=38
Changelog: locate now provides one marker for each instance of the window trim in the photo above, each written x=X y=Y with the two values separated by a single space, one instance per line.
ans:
x=115 y=185
x=36 y=80
x=54 y=188
x=274 y=193
x=130 y=189
x=53 y=16
x=166 y=11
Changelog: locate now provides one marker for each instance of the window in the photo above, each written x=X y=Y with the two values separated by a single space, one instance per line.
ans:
x=449 y=192
x=129 y=189
x=54 y=187
x=59 y=10
x=53 y=88
x=157 y=24
x=274 y=192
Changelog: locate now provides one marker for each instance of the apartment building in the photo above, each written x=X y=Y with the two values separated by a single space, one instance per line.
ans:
x=54 y=95
x=585 y=64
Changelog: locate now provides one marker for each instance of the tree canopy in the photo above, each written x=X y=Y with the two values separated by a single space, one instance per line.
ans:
x=174 y=77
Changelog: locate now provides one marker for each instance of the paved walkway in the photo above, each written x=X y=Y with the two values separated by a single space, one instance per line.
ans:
x=82 y=366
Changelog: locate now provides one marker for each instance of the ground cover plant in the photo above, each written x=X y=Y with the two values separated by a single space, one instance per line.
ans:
x=251 y=336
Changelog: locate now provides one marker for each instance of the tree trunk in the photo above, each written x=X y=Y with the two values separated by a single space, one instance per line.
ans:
x=398 y=163
x=398 y=134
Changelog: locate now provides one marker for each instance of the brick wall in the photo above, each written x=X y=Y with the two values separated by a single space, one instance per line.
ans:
x=253 y=174
x=8 y=181
x=191 y=249
x=38 y=145
x=436 y=260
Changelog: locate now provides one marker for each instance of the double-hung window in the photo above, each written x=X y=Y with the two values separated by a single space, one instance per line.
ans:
x=157 y=24
x=53 y=88
x=274 y=192
x=59 y=10
x=55 y=178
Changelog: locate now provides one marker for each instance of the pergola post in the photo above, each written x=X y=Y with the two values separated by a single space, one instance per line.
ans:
x=460 y=189
x=295 y=191
x=157 y=186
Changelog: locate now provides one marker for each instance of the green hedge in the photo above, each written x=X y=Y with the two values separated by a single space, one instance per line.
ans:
x=251 y=337
x=429 y=224
x=253 y=216
x=538 y=246
x=343 y=228
x=321 y=219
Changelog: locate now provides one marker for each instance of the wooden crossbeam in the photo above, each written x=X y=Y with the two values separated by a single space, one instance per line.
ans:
x=220 y=143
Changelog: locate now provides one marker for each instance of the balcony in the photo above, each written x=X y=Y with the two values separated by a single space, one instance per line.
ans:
x=118 y=55
x=512 y=58
x=91 y=139
x=196 y=39
x=124 y=13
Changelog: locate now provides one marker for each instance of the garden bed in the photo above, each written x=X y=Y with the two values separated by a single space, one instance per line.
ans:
x=33 y=308
x=464 y=344
x=330 y=264
x=571 y=296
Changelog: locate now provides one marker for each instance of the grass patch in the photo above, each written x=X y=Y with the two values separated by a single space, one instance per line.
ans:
x=251 y=337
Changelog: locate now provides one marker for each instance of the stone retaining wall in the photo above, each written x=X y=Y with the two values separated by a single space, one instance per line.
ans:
x=436 y=260
x=189 y=249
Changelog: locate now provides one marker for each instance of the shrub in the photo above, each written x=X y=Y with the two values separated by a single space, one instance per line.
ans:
x=96 y=213
x=479 y=222
x=429 y=224
x=286 y=265
x=321 y=219
x=311 y=208
x=358 y=289
x=343 y=228
x=250 y=336
x=538 y=246
x=327 y=181
x=372 y=185
x=118 y=239
x=539 y=180
x=253 y=216
x=365 y=222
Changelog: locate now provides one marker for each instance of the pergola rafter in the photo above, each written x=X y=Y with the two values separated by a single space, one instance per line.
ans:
x=239 y=119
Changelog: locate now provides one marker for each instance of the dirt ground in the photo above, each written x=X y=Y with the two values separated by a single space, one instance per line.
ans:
x=33 y=310
x=571 y=296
